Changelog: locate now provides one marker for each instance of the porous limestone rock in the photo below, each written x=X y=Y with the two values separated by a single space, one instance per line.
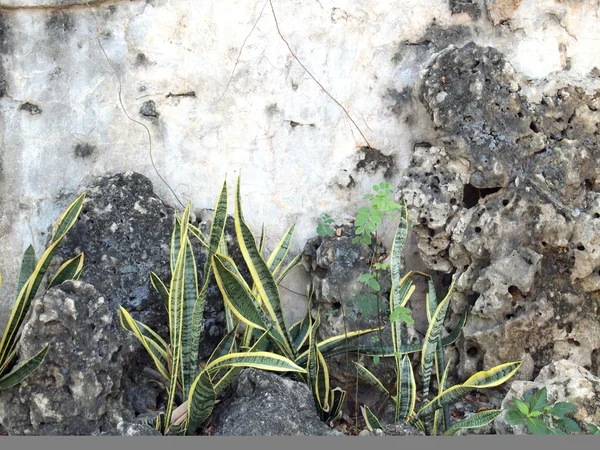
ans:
x=265 y=404
x=506 y=196
x=78 y=388
x=564 y=381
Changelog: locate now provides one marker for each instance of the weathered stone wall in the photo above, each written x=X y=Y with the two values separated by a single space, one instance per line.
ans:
x=62 y=123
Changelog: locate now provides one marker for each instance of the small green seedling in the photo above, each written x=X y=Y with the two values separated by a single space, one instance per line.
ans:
x=539 y=417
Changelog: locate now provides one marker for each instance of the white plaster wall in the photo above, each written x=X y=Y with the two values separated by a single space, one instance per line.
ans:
x=50 y=57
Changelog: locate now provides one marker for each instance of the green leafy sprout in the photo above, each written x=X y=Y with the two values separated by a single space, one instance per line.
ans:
x=534 y=412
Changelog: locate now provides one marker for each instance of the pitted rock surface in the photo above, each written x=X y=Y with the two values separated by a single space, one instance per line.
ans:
x=507 y=197
x=265 y=404
x=78 y=389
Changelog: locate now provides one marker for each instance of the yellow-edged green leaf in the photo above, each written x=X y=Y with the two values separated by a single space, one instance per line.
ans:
x=404 y=291
x=258 y=360
x=300 y=330
x=432 y=339
x=161 y=288
x=368 y=376
x=338 y=396
x=156 y=349
x=407 y=390
x=237 y=294
x=30 y=287
x=68 y=271
x=28 y=264
x=371 y=420
x=281 y=250
x=441 y=419
x=430 y=299
x=329 y=346
x=188 y=362
x=396 y=254
x=261 y=275
x=197 y=233
x=225 y=346
x=477 y=420
x=201 y=401
x=176 y=307
x=287 y=269
x=24 y=370
x=481 y=380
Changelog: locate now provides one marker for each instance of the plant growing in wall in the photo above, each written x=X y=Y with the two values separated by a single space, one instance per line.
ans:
x=31 y=274
x=194 y=386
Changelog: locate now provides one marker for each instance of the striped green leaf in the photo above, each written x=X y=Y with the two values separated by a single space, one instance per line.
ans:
x=314 y=381
x=338 y=397
x=197 y=233
x=201 y=401
x=396 y=254
x=237 y=294
x=407 y=390
x=368 y=376
x=68 y=271
x=24 y=370
x=477 y=420
x=30 y=287
x=189 y=368
x=155 y=348
x=300 y=330
x=160 y=287
x=257 y=360
x=430 y=299
x=287 y=269
x=261 y=275
x=481 y=380
x=281 y=250
x=177 y=297
x=432 y=339
x=28 y=264
x=335 y=345
x=262 y=239
x=198 y=319
x=217 y=227
x=404 y=291
x=371 y=420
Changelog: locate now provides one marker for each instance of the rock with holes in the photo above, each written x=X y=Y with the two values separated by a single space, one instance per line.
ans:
x=124 y=231
x=565 y=381
x=78 y=388
x=506 y=198
x=265 y=404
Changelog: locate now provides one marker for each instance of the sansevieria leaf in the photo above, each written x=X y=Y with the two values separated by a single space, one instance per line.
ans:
x=371 y=420
x=368 y=376
x=24 y=370
x=477 y=420
x=481 y=380
x=28 y=264
x=258 y=360
x=261 y=275
x=201 y=401
x=281 y=250
x=432 y=340
x=30 y=287
x=160 y=287
x=407 y=390
x=68 y=271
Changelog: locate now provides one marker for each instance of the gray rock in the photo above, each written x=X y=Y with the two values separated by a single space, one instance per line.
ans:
x=470 y=7
x=565 y=381
x=77 y=390
x=131 y=429
x=401 y=429
x=125 y=231
x=507 y=197
x=265 y=404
